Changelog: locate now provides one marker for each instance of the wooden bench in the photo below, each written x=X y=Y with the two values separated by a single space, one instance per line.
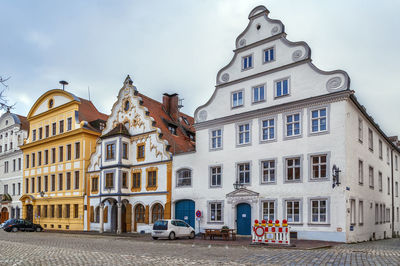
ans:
x=225 y=234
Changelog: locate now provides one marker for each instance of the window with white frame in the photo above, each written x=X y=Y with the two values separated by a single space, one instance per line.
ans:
x=268 y=171
x=237 y=99
x=268 y=210
x=293 y=125
x=396 y=189
x=319 y=166
x=371 y=176
x=269 y=55
x=247 y=62
x=318 y=120
x=293 y=169
x=184 y=178
x=215 y=211
x=293 y=211
x=215 y=176
x=380 y=149
x=388 y=215
x=380 y=181
x=243 y=172
x=360 y=172
x=370 y=139
x=216 y=139
x=319 y=210
x=258 y=94
x=352 y=211
x=282 y=87
x=360 y=212
x=243 y=134
x=388 y=186
x=360 y=130
x=268 y=129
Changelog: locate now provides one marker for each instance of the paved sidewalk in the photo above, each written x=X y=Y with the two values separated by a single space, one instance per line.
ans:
x=240 y=240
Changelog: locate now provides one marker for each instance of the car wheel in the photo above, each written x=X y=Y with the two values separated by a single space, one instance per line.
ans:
x=14 y=229
x=171 y=236
x=155 y=238
x=38 y=229
x=192 y=235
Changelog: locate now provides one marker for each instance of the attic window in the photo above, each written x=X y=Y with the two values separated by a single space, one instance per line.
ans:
x=258 y=26
x=185 y=120
x=101 y=126
x=51 y=103
x=172 y=129
x=126 y=105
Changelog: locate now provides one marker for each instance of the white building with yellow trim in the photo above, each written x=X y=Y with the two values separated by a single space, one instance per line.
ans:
x=63 y=133
x=130 y=171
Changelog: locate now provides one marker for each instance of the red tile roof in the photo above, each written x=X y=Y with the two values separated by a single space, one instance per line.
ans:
x=180 y=142
x=88 y=112
x=24 y=122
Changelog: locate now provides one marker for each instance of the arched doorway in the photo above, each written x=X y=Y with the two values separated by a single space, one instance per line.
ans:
x=243 y=218
x=184 y=210
x=4 y=214
x=29 y=212
x=139 y=215
x=114 y=218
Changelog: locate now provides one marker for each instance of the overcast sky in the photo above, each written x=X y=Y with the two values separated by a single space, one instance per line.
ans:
x=179 y=46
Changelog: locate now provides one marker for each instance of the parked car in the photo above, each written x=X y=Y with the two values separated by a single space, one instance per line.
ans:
x=14 y=225
x=172 y=229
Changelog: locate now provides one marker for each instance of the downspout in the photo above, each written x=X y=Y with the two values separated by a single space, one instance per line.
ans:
x=392 y=172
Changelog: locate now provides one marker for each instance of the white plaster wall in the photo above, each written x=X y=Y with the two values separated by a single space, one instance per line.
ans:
x=58 y=101
x=304 y=82
x=356 y=151
x=200 y=162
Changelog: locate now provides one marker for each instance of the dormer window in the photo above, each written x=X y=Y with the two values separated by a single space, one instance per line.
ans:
x=185 y=120
x=172 y=129
x=269 y=55
x=247 y=62
x=102 y=125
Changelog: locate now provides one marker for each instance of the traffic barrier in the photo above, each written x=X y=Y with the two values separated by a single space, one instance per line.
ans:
x=273 y=233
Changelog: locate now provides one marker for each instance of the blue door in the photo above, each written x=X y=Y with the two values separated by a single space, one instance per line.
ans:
x=184 y=210
x=243 y=218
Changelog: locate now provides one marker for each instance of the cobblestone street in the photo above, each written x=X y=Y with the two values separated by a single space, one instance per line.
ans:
x=78 y=249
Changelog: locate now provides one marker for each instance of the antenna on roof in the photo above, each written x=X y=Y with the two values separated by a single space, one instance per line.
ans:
x=63 y=83
x=88 y=90
x=180 y=103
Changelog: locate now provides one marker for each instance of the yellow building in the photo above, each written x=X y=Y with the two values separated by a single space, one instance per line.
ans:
x=63 y=133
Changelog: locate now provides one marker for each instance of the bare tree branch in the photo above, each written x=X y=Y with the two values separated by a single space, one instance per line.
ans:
x=3 y=100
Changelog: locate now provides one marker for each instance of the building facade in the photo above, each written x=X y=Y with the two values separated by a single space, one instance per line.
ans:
x=281 y=139
x=63 y=133
x=13 y=130
x=130 y=171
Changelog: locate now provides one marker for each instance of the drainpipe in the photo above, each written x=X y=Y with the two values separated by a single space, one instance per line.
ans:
x=391 y=161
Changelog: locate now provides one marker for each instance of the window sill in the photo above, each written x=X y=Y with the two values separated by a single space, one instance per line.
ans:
x=294 y=223
x=257 y=102
x=371 y=187
x=215 y=222
x=318 y=133
x=243 y=145
x=186 y=186
x=215 y=149
x=317 y=224
x=322 y=179
x=212 y=187
x=140 y=159
x=281 y=96
x=238 y=106
x=153 y=188
x=136 y=189
x=292 y=181
x=263 y=141
x=292 y=137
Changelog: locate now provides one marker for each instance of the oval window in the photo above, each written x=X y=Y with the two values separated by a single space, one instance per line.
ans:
x=51 y=103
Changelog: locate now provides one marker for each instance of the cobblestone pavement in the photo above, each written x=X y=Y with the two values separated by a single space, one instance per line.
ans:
x=79 y=249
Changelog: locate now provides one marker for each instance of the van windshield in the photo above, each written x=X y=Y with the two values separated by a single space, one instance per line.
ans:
x=160 y=225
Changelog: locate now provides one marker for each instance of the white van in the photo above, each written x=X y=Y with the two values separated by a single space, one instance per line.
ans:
x=172 y=229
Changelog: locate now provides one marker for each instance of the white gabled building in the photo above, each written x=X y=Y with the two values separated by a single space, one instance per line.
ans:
x=268 y=138
x=13 y=130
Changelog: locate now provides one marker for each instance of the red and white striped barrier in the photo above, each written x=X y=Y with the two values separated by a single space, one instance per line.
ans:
x=271 y=233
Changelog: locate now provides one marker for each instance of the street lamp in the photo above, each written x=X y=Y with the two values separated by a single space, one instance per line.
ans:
x=335 y=176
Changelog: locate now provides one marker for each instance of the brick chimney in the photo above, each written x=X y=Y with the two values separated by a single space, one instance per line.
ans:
x=170 y=103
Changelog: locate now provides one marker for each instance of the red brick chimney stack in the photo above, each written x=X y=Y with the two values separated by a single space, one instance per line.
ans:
x=170 y=102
